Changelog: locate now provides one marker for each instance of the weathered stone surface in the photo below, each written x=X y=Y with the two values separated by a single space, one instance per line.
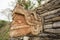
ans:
x=24 y=23
x=45 y=11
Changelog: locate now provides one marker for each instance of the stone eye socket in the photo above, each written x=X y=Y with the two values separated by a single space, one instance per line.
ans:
x=32 y=14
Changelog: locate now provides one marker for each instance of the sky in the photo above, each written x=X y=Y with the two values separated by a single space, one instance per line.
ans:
x=9 y=4
x=4 y=4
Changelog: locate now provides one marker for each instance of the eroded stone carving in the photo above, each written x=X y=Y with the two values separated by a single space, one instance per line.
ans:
x=25 y=22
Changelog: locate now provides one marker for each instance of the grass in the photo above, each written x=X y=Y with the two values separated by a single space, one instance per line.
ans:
x=4 y=33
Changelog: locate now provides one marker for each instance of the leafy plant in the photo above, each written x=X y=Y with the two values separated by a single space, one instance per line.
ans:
x=27 y=4
x=39 y=1
x=2 y=23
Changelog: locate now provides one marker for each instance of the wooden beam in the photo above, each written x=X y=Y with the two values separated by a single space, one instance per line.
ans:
x=53 y=19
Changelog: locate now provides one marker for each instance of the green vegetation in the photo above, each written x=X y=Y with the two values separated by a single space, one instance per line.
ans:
x=2 y=23
x=28 y=4
x=4 y=30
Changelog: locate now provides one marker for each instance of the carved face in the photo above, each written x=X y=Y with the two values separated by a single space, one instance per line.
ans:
x=23 y=25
